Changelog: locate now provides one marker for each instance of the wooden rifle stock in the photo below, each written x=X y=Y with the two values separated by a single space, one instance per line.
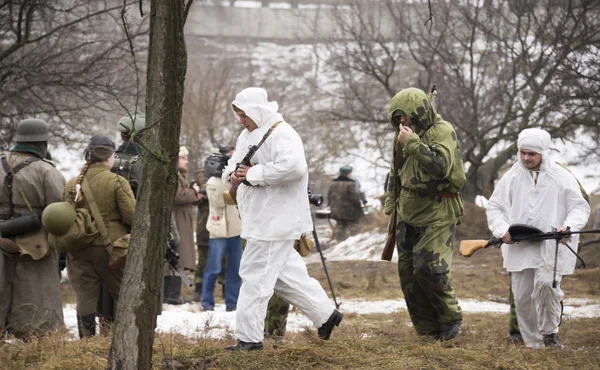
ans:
x=468 y=247
x=390 y=244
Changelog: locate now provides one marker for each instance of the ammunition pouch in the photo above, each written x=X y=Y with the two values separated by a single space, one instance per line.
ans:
x=23 y=236
x=304 y=245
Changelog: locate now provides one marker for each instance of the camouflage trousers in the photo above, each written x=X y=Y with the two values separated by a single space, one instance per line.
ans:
x=276 y=320
x=424 y=262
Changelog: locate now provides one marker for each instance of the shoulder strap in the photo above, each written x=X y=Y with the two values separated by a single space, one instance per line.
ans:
x=267 y=134
x=10 y=176
x=87 y=193
x=583 y=192
x=13 y=171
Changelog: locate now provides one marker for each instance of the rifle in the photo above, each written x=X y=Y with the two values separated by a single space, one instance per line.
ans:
x=519 y=233
x=171 y=258
x=246 y=161
x=390 y=244
x=252 y=149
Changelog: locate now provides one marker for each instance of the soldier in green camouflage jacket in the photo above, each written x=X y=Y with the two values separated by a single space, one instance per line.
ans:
x=426 y=177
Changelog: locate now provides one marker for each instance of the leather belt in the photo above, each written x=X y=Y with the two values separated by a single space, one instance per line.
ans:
x=443 y=194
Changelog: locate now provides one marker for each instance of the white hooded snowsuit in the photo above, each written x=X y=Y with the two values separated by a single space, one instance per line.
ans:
x=275 y=212
x=554 y=201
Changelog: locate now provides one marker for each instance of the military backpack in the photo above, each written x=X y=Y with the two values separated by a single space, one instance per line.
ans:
x=129 y=166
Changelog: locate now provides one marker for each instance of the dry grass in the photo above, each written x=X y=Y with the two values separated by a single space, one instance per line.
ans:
x=479 y=277
x=362 y=342
x=382 y=341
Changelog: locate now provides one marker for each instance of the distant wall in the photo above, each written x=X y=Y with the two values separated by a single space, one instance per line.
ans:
x=274 y=24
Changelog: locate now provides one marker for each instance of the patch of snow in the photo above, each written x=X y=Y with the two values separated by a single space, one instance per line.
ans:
x=69 y=161
x=190 y=321
x=362 y=247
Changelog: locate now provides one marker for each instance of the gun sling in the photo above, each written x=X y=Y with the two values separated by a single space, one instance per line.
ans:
x=248 y=157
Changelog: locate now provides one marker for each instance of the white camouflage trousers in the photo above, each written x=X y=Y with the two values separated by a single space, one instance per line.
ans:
x=537 y=304
x=274 y=266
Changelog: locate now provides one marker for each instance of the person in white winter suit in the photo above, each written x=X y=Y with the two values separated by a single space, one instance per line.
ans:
x=539 y=193
x=275 y=212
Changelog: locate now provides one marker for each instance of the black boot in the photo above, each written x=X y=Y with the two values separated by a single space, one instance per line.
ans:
x=245 y=346
x=173 y=290
x=552 y=340
x=198 y=293
x=449 y=331
x=86 y=325
x=515 y=337
x=167 y=288
x=334 y=320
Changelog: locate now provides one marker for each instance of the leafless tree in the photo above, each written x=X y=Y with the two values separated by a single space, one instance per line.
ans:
x=133 y=334
x=500 y=66
x=65 y=61
x=208 y=121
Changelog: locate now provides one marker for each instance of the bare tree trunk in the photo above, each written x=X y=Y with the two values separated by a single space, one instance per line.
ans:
x=480 y=179
x=136 y=312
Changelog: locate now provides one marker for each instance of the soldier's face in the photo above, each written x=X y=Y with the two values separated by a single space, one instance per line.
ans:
x=404 y=121
x=182 y=164
x=246 y=121
x=531 y=160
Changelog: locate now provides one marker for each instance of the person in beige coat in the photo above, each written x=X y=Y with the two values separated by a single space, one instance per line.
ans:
x=225 y=226
x=185 y=200
x=30 y=300
x=89 y=267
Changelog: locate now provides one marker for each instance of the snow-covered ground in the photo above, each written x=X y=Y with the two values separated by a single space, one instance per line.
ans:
x=191 y=321
x=362 y=247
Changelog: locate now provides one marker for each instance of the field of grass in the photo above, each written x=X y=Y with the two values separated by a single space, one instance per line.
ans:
x=362 y=342
x=376 y=341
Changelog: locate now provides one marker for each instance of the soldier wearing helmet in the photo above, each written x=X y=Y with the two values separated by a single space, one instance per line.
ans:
x=30 y=297
x=89 y=267
x=129 y=154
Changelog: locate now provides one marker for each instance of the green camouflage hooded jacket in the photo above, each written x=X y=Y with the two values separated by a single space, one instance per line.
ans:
x=429 y=161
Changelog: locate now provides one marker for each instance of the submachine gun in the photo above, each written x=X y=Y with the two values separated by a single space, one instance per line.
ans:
x=519 y=233
x=172 y=258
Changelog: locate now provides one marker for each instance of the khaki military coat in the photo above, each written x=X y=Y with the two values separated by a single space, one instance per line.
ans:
x=113 y=196
x=30 y=298
x=185 y=200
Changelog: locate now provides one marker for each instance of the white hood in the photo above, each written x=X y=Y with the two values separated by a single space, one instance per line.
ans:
x=536 y=140
x=554 y=200
x=276 y=207
x=253 y=101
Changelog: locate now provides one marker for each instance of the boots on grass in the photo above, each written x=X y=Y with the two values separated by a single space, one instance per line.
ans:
x=86 y=325
x=245 y=346
x=334 y=320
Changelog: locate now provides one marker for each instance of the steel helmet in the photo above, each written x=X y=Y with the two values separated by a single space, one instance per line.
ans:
x=58 y=218
x=127 y=124
x=32 y=130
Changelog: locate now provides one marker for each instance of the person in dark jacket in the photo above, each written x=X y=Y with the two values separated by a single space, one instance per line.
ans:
x=345 y=202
